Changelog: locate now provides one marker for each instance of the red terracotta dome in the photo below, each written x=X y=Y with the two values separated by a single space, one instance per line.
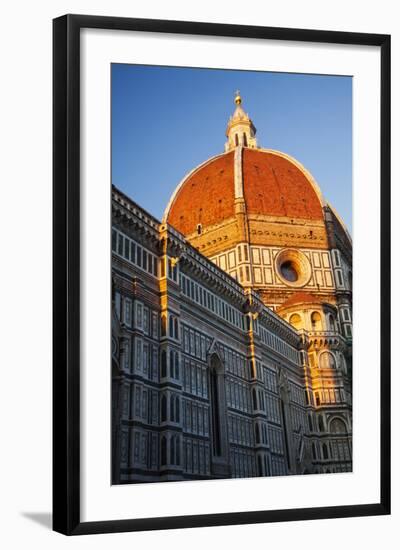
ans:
x=271 y=183
x=275 y=186
x=206 y=196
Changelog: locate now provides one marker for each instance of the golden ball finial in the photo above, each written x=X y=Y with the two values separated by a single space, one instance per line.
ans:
x=238 y=99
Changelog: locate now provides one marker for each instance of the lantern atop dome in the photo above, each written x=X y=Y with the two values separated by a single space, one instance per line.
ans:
x=240 y=130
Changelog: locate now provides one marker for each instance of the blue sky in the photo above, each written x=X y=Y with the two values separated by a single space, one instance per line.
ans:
x=166 y=121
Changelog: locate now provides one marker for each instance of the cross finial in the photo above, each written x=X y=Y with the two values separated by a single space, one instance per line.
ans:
x=238 y=99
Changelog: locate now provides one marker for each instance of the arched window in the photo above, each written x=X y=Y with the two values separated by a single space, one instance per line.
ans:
x=172 y=449
x=236 y=140
x=260 y=469
x=177 y=451
x=314 y=451
x=199 y=228
x=163 y=408
x=176 y=328
x=217 y=418
x=321 y=426
x=257 y=433
x=172 y=408
x=177 y=410
x=177 y=366
x=295 y=321
x=171 y=364
x=316 y=321
x=326 y=360
x=245 y=140
x=284 y=416
x=337 y=426
x=310 y=423
x=262 y=400
x=254 y=393
x=317 y=399
x=163 y=326
x=171 y=326
x=324 y=451
x=331 y=322
x=163 y=450
x=215 y=411
x=163 y=363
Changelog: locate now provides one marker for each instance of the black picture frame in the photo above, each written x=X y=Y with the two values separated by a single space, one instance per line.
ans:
x=66 y=272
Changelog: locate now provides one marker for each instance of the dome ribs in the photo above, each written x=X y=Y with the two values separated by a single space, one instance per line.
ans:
x=273 y=185
x=206 y=197
x=276 y=187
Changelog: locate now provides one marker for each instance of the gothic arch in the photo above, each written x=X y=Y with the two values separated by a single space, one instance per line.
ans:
x=326 y=360
x=338 y=425
x=213 y=350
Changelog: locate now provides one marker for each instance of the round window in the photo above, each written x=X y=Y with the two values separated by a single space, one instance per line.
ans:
x=293 y=267
x=288 y=270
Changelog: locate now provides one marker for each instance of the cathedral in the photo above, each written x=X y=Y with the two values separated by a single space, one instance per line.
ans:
x=232 y=323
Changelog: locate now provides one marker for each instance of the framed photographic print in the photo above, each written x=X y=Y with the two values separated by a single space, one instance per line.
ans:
x=214 y=324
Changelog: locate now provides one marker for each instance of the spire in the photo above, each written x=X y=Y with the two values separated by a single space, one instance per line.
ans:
x=240 y=130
